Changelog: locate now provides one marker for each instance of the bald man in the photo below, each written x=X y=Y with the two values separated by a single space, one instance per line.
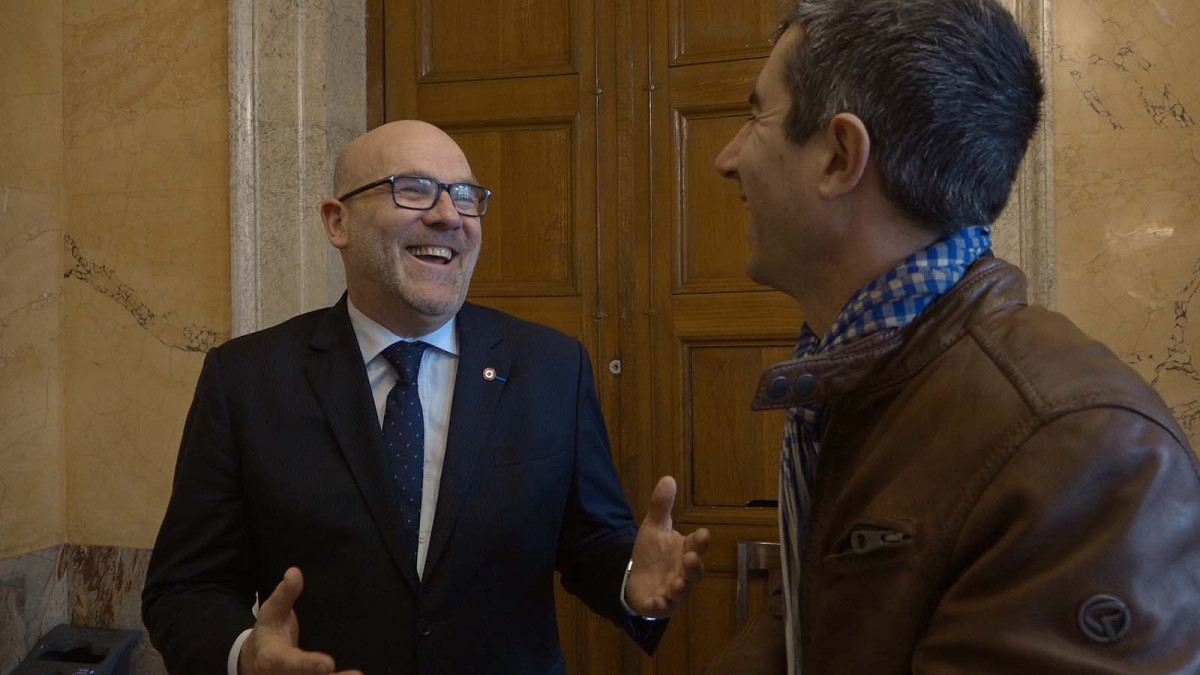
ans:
x=397 y=477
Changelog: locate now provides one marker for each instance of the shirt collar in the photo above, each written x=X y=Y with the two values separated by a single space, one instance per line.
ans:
x=373 y=338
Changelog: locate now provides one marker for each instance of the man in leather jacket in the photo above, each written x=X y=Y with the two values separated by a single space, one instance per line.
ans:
x=968 y=484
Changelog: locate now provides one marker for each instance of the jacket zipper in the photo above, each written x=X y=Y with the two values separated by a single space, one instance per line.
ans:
x=867 y=539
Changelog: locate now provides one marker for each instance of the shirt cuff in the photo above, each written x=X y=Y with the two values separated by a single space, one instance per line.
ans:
x=231 y=664
x=628 y=610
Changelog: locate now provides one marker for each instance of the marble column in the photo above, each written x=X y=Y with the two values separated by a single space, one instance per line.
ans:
x=1024 y=234
x=297 y=94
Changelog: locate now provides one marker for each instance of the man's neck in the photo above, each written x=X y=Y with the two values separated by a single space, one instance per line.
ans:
x=402 y=320
x=877 y=250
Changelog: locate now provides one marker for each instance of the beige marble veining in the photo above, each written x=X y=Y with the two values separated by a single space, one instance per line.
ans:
x=145 y=252
x=1127 y=152
x=32 y=506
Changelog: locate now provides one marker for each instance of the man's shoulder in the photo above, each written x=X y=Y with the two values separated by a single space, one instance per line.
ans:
x=1058 y=369
x=290 y=335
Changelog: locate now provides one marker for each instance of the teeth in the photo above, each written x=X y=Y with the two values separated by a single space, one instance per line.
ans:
x=436 y=251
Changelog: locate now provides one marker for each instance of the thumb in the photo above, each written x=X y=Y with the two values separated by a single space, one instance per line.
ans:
x=278 y=606
x=662 y=500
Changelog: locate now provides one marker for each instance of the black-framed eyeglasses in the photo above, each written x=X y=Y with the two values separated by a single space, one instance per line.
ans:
x=421 y=194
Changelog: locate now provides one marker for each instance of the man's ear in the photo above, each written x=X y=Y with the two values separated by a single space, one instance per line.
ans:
x=849 y=147
x=336 y=217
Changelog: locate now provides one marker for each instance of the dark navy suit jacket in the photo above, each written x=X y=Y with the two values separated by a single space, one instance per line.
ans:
x=281 y=464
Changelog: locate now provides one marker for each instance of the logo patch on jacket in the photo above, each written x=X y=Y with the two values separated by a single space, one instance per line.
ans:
x=1104 y=619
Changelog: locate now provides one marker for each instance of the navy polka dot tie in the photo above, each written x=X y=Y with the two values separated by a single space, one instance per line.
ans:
x=404 y=437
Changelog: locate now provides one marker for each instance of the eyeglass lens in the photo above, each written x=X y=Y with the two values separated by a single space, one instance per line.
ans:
x=423 y=193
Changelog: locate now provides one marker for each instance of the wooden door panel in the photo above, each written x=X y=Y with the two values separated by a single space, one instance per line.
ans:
x=545 y=99
x=734 y=450
x=719 y=30
x=480 y=39
x=529 y=230
x=712 y=219
x=712 y=86
x=767 y=315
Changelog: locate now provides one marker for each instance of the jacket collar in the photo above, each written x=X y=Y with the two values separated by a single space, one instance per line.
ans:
x=892 y=355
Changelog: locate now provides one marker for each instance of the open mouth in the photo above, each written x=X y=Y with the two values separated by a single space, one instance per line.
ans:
x=433 y=255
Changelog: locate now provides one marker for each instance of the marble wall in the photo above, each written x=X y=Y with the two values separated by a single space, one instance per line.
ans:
x=32 y=507
x=1127 y=184
x=146 y=248
x=33 y=599
x=114 y=282
x=96 y=586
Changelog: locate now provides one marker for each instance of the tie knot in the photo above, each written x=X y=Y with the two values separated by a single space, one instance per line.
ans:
x=405 y=357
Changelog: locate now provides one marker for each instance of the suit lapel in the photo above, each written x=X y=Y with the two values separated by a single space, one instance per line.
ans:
x=480 y=346
x=337 y=374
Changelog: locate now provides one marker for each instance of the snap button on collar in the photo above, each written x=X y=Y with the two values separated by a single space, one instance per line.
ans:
x=805 y=385
x=778 y=388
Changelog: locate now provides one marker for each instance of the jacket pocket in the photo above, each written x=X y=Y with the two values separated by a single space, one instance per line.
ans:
x=873 y=540
x=518 y=453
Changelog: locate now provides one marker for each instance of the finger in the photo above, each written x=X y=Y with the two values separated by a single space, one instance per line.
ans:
x=662 y=500
x=693 y=568
x=656 y=607
x=677 y=586
x=697 y=541
x=664 y=607
x=278 y=607
x=296 y=661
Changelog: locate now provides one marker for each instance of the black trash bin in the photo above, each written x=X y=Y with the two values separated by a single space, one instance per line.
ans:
x=76 y=650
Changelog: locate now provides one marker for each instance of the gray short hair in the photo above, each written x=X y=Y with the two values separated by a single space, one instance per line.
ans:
x=949 y=90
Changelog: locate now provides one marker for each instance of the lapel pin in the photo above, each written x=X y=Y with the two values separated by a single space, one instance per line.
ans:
x=489 y=374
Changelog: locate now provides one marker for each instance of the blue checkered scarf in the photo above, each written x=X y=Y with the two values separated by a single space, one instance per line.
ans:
x=890 y=302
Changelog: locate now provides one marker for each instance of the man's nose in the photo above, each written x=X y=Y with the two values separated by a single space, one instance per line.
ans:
x=726 y=162
x=443 y=215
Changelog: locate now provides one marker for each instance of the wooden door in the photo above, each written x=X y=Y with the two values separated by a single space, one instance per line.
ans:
x=516 y=83
x=596 y=123
x=711 y=330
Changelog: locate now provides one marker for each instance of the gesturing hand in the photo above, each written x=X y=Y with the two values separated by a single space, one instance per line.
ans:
x=665 y=563
x=271 y=647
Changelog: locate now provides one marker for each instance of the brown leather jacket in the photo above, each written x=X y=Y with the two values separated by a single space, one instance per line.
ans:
x=997 y=493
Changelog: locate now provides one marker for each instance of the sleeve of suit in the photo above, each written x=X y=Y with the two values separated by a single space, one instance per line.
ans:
x=199 y=593
x=598 y=529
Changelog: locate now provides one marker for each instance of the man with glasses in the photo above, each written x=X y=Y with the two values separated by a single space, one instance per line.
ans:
x=399 y=476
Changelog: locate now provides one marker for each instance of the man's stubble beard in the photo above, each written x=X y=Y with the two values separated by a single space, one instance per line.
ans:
x=440 y=302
